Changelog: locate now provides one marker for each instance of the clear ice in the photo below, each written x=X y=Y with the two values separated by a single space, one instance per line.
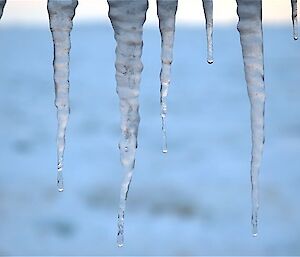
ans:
x=127 y=19
x=251 y=37
x=61 y=14
x=295 y=18
x=2 y=4
x=208 y=12
x=166 y=12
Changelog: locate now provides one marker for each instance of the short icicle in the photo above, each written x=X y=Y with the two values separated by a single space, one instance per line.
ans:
x=127 y=19
x=2 y=4
x=208 y=12
x=166 y=11
x=61 y=14
x=295 y=18
x=251 y=37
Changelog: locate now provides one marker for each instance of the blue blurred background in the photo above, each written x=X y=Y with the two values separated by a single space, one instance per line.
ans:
x=193 y=201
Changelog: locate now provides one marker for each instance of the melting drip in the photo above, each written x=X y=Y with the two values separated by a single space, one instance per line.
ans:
x=127 y=19
x=294 y=18
x=61 y=14
x=166 y=11
x=251 y=37
x=2 y=4
x=208 y=12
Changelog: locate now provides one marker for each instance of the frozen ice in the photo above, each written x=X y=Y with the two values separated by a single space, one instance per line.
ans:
x=166 y=12
x=127 y=19
x=2 y=4
x=294 y=18
x=208 y=12
x=61 y=14
x=251 y=37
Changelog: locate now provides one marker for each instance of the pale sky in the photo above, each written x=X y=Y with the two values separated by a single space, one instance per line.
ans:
x=33 y=12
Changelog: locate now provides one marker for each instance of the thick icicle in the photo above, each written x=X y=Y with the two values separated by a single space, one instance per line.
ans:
x=166 y=11
x=294 y=18
x=127 y=18
x=61 y=14
x=2 y=4
x=251 y=36
x=208 y=12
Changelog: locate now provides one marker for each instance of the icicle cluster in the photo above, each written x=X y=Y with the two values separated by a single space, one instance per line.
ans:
x=2 y=4
x=251 y=36
x=127 y=18
x=166 y=12
x=61 y=14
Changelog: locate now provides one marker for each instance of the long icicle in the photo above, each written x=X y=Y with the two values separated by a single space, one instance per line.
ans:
x=251 y=37
x=2 y=4
x=208 y=12
x=295 y=18
x=127 y=19
x=166 y=11
x=61 y=14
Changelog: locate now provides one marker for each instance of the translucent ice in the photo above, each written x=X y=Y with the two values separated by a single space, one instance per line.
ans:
x=2 y=4
x=61 y=14
x=166 y=11
x=295 y=18
x=127 y=19
x=251 y=36
x=208 y=12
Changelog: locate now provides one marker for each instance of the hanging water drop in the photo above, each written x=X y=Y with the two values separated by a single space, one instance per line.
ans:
x=166 y=11
x=61 y=14
x=251 y=37
x=127 y=19
x=295 y=18
x=2 y=4
x=208 y=12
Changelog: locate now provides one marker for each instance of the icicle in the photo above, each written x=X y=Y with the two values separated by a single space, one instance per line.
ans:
x=251 y=36
x=166 y=11
x=294 y=18
x=2 y=4
x=208 y=12
x=61 y=14
x=127 y=18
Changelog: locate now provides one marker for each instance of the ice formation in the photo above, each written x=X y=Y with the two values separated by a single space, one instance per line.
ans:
x=251 y=37
x=208 y=12
x=2 y=4
x=61 y=14
x=166 y=12
x=127 y=18
x=294 y=18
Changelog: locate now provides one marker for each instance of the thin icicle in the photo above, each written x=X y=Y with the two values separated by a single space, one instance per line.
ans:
x=127 y=18
x=2 y=4
x=208 y=12
x=251 y=36
x=61 y=14
x=294 y=18
x=166 y=11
